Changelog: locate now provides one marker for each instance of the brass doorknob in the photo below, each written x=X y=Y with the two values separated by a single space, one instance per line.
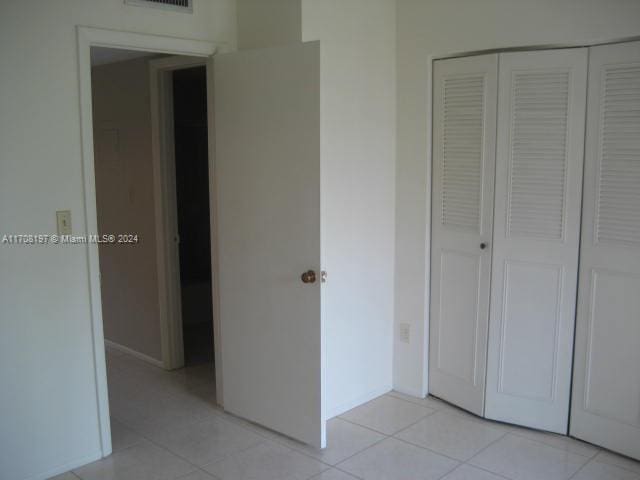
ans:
x=308 y=277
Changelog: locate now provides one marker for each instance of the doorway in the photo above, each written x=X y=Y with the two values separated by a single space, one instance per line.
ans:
x=182 y=174
x=139 y=319
x=266 y=224
x=124 y=174
x=192 y=197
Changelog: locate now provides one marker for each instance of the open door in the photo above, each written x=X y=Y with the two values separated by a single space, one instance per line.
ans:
x=267 y=174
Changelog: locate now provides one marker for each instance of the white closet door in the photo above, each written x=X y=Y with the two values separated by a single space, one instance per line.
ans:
x=464 y=121
x=541 y=115
x=606 y=394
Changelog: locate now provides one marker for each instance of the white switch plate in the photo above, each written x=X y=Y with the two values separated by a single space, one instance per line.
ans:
x=404 y=332
x=63 y=219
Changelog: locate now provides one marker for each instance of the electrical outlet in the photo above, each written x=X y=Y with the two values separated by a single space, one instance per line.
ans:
x=404 y=332
x=63 y=219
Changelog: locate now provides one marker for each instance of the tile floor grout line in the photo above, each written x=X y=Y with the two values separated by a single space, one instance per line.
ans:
x=580 y=469
x=419 y=402
x=279 y=442
x=308 y=455
x=358 y=453
x=509 y=428
x=552 y=446
x=265 y=442
x=391 y=437
x=597 y=449
x=429 y=415
x=394 y=433
x=341 y=470
x=330 y=465
x=443 y=409
x=167 y=449
x=390 y=394
x=268 y=438
x=467 y=462
x=603 y=450
x=485 y=448
x=460 y=462
x=450 y=471
x=363 y=426
x=488 y=471
x=265 y=439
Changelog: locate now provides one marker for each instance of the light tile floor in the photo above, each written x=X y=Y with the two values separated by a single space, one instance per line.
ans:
x=166 y=426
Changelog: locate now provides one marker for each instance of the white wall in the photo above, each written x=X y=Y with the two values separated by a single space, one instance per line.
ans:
x=268 y=23
x=438 y=27
x=357 y=95
x=125 y=200
x=48 y=420
x=357 y=58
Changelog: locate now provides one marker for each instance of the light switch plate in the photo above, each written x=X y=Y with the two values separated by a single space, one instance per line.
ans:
x=63 y=219
x=404 y=332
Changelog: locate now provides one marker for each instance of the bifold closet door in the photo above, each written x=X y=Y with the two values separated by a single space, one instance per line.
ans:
x=541 y=115
x=606 y=394
x=464 y=121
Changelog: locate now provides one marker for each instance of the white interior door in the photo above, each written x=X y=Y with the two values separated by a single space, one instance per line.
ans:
x=464 y=122
x=541 y=114
x=606 y=394
x=267 y=169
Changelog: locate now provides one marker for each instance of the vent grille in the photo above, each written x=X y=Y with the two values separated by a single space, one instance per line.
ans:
x=540 y=103
x=179 y=5
x=462 y=151
x=619 y=179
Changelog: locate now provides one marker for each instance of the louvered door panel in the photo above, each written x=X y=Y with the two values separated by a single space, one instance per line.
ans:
x=463 y=101
x=538 y=154
x=541 y=108
x=619 y=176
x=606 y=390
x=464 y=125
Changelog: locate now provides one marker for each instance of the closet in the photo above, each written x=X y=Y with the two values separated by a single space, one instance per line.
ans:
x=515 y=246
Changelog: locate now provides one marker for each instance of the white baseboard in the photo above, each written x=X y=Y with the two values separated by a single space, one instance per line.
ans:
x=410 y=392
x=129 y=351
x=356 y=402
x=66 y=467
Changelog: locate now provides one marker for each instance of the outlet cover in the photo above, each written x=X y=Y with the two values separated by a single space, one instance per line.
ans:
x=404 y=332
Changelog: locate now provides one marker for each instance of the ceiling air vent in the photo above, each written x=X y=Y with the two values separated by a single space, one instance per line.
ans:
x=175 y=5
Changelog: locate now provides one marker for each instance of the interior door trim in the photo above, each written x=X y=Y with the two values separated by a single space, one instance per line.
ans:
x=86 y=38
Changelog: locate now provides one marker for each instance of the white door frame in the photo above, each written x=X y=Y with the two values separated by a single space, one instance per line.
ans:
x=165 y=204
x=88 y=37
